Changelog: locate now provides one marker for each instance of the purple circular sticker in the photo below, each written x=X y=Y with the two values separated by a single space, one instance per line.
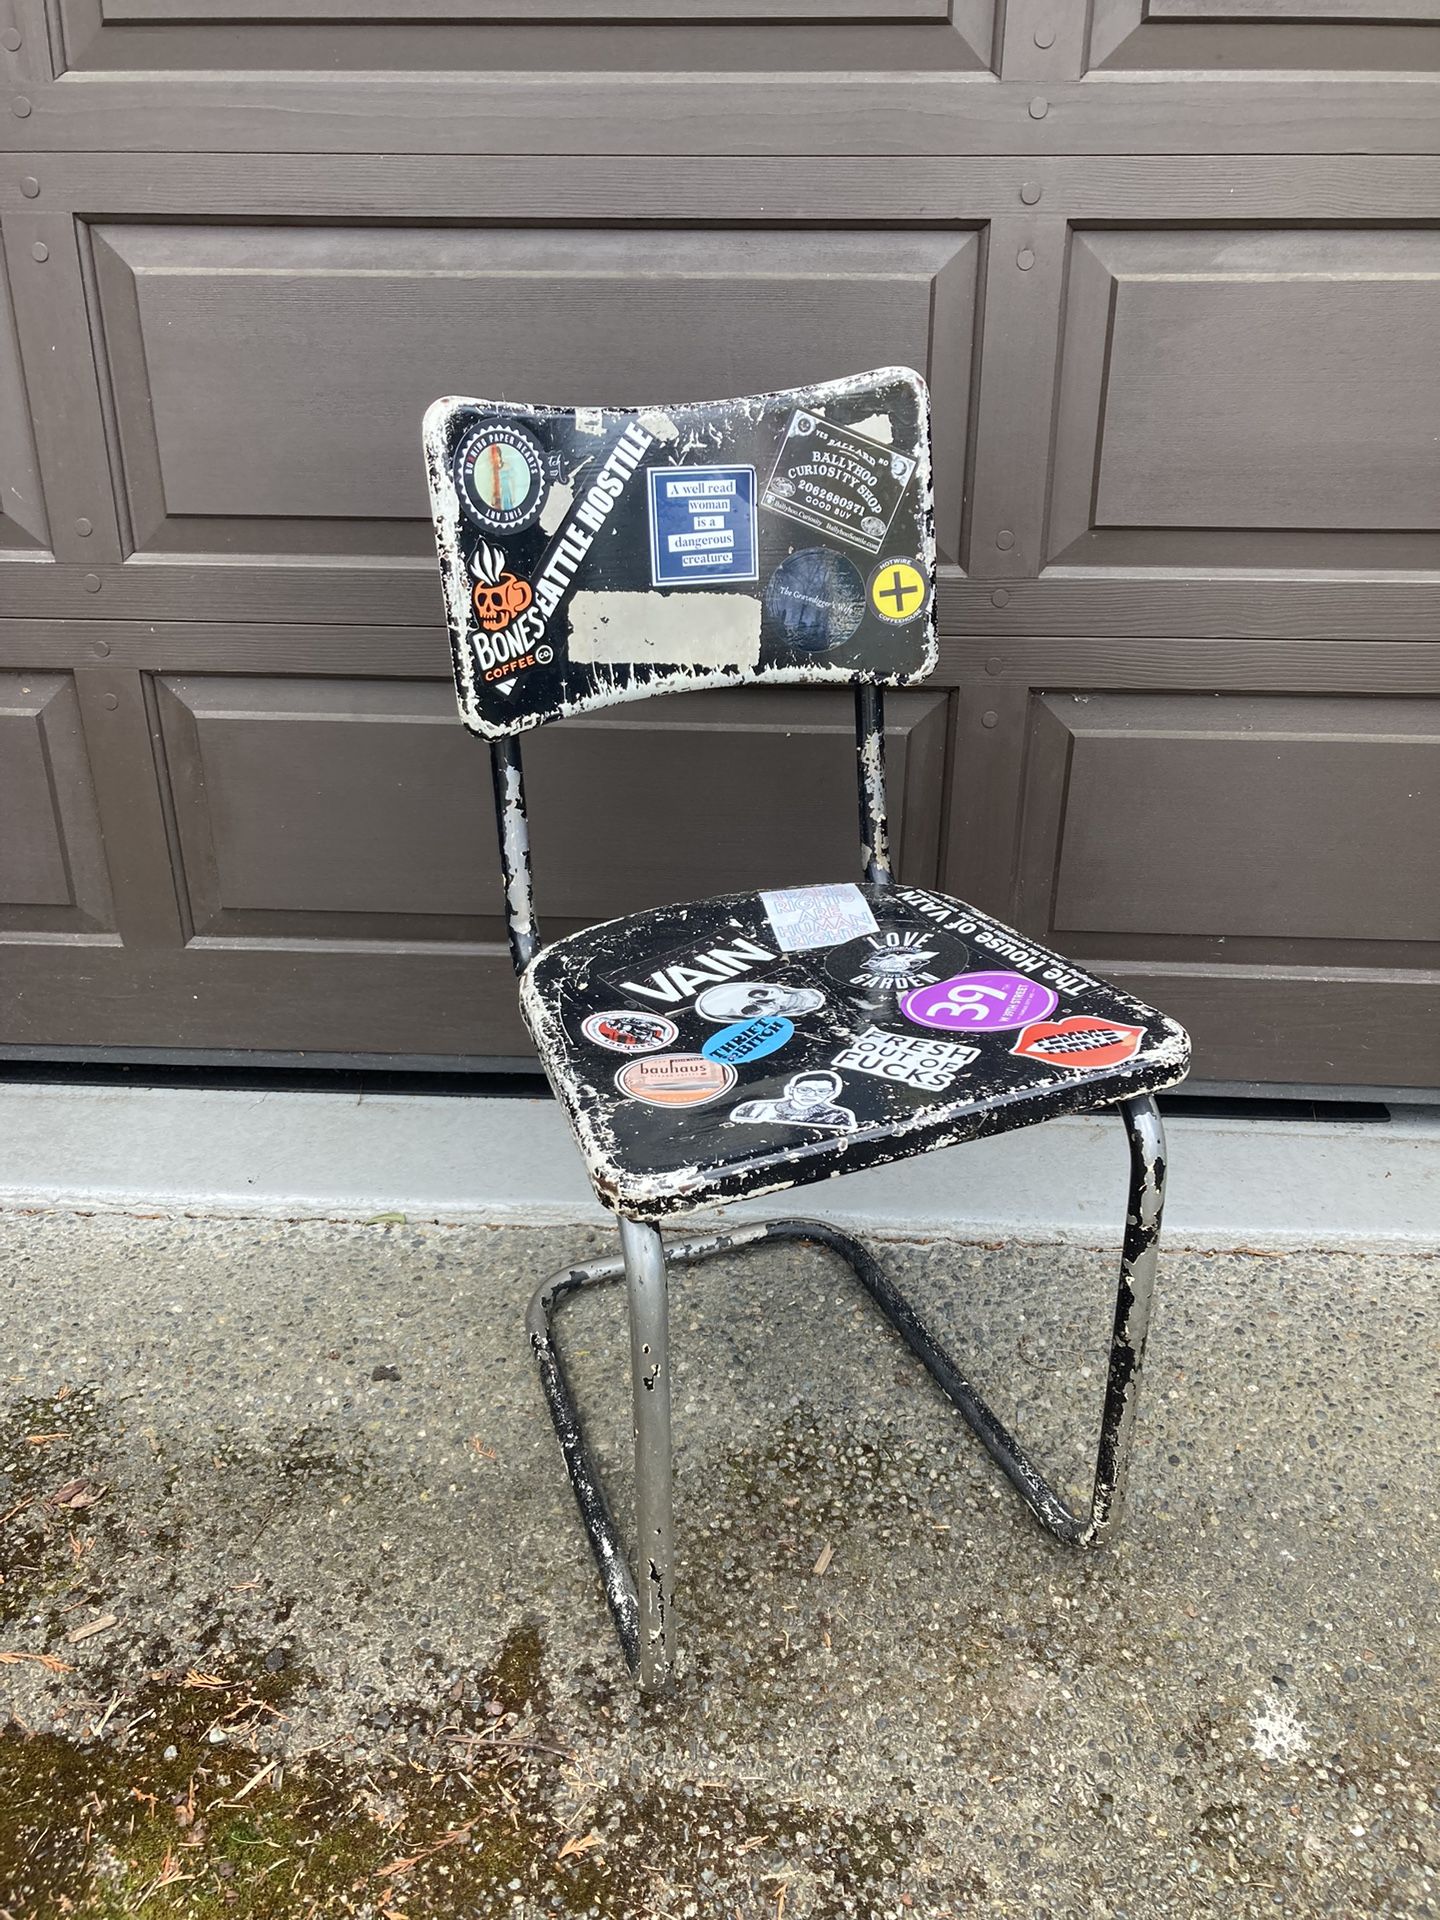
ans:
x=979 y=1002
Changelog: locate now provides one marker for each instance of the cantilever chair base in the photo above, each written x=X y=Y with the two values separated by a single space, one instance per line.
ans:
x=642 y=1608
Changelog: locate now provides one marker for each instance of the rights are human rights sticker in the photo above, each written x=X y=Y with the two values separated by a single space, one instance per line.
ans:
x=804 y=917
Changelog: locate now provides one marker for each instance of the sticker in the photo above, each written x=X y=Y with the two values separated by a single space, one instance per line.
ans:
x=896 y=961
x=750 y=999
x=929 y=1065
x=816 y=598
x=837 y=481
x=702 y=525
x=499 y=594
x=691 y=971
x=980 y=1002
x=675 y=1079
x=1080 y=1042
x=898 y=591
x=749 y=1040
x=809 y=1100
x=805 y=917
x=500 y=476
x=698 y=629
x=625 y=1032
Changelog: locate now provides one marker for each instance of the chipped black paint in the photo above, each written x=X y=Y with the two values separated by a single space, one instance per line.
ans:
x=568 y=596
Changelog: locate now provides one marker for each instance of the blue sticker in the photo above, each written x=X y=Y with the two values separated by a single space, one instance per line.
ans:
x=702 y=525
x=748 y=1040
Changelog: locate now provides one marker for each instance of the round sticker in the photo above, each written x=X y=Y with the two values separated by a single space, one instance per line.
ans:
x=675 y=1079
x=816 y=598
x=898 y=591
x=979 y=1002
x=625 y=1032
x=748 y=999
x=749 y=1040
x=877 y=968
x=500 y=476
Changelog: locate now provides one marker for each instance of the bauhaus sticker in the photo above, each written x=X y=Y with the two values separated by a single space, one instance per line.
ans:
x=836 y=481
x=675 y=1079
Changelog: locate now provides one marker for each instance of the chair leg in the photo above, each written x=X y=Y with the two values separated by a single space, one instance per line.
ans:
x=643 y=1615
x=644 y=1256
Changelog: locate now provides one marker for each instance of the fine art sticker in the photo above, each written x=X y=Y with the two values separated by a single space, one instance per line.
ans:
x=930 y=1066
x=702 y=525
x=750 y=999
x=1080 y=1042
x=876 y=970
x=675 y=1079
x=836 y=481
x=899 y=591
x=816 y=599
x=979 y=1002
x=809 y=1100
x=500 y=476
x=749 y=1040
x=624 y=1031
x=806 y=917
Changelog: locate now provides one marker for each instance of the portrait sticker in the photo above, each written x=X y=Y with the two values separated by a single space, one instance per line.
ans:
x=836 y=481
x=816 y=598
x=806 y=917
x=809 y=1100
x=749 y=999
x=702 y=525
x=675 y=1079
x=930 y=1066
x=1080 y=1042
x=749 y=1040
x=979 y=1002
x=624 y=1031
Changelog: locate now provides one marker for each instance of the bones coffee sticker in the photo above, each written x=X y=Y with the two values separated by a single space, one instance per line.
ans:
x=979 y=1003
x=1080 y=1042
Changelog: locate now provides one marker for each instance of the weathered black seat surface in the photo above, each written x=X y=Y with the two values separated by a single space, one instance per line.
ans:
x=700 y=1057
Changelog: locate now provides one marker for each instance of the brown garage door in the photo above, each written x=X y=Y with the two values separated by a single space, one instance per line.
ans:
x=1170 y=267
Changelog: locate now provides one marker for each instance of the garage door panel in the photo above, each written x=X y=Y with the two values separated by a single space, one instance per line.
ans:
x=1220 y=35
x=357 y=810
x=268 y=381
x=523 y=36
x=22 y=507
x=53 y=882
x=1217 y=818
x=1227 y=396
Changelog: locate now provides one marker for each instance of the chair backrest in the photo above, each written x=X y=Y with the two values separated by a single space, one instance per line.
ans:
x=591 y=555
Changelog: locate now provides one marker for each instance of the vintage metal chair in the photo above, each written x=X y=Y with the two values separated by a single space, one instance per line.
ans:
x=767 y=1040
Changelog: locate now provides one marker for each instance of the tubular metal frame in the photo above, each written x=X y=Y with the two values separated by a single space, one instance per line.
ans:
x=643 y=1610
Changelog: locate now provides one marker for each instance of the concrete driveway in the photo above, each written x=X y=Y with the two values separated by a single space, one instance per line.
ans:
x=297 y=1618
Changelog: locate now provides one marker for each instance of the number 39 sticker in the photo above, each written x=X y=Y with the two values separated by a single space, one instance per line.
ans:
x=979 y=1003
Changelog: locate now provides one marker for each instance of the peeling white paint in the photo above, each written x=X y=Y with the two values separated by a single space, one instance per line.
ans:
x=558 y=503
x=672 y=630
x=659 y=425
x=1276 y=1730
x=876 y=426
x=589 y=420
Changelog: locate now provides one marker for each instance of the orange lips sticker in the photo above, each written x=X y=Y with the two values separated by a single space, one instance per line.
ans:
x=1079 y=1042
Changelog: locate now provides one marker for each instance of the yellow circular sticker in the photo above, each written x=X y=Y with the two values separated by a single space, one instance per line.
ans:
x=898 y=591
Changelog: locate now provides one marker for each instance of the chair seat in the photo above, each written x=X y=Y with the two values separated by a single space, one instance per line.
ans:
x=760 y=1041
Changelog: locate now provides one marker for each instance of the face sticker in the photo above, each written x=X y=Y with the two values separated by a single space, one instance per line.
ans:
x=899 y=591
x=626 y=1032
x=675 y=1079
x=750 y=1040
x=979 y=1002
x=1079 y=1042
x=692 y=970
x=702 y=525
x=930 y=1066
x=816 y=598
x=500 y=476
x=748 y=999
x=895 y=960
x=809 y=1100
x=838 y=482
x=806 y=917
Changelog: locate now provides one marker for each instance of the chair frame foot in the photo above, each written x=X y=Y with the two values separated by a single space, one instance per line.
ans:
x=644 y=1617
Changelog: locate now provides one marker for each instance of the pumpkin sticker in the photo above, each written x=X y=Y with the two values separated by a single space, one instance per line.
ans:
x=499 y=594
